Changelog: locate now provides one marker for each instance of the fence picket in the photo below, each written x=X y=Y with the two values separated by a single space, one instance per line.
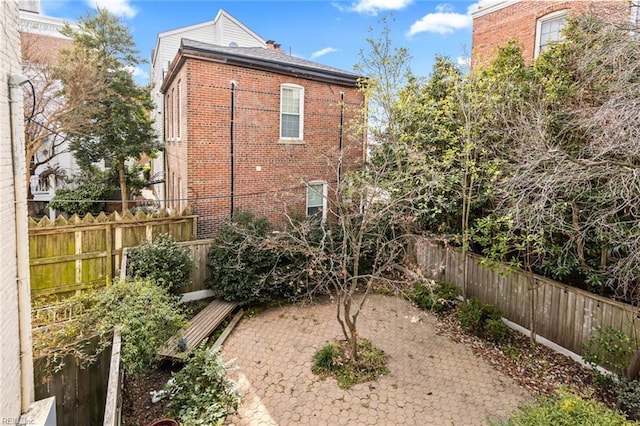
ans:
x=565 y=315
x=67 y=255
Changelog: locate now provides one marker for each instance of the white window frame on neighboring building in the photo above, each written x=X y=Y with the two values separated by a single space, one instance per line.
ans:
x=316 y=186
x=178 y=112
x=285 y=88
x=548 y=19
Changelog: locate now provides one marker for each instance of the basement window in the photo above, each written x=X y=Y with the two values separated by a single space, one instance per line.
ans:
x=317 y=199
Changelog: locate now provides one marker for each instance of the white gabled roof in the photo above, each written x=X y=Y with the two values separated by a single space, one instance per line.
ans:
x=224 y=13
x=221 y=13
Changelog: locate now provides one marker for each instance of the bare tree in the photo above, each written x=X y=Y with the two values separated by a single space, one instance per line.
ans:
x=361 y=244
x=45 y=106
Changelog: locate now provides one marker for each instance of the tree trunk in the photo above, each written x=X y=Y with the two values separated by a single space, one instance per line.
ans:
x=122 y=177
x=634 y=367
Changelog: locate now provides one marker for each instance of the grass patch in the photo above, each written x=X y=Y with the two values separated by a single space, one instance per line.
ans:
x=332 y=360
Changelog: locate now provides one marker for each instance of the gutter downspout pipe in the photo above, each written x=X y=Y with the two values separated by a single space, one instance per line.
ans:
x=232 y=147
x=22 y=242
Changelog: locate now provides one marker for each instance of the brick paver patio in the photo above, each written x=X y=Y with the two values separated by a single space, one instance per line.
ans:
x=433 y=381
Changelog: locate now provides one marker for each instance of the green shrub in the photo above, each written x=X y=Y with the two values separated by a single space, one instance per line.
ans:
x=239 y=267
x=332 y=360
x=201 y=393
x=496 y=329
x=610 y=349
x=91 y=187
x=434 y=296
x=567 y=410
x=148 y=316
x=246 y=268
x=482 y=319
x=162 y=262
x=628 y=395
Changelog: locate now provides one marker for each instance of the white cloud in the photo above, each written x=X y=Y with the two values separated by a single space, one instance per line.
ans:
x=138 y=73
x=372 y=7
x=120 y=8
x=323 y=52
x=443 y=21
x=463 y=61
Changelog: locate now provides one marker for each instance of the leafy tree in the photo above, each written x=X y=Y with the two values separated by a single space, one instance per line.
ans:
x=573 y=159
x=92 y=188
x=115 y=127
x=386 y=69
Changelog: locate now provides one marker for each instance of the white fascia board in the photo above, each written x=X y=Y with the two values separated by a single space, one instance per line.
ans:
x=493 y=7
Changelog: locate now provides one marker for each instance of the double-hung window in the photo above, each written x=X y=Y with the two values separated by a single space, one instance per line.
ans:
x=549 y=29
x=317 y=199
x=291 y=112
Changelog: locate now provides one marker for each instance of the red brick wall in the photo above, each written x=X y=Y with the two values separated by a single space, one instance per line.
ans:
x=202 y=159
x=42 y=49
x=519 y=20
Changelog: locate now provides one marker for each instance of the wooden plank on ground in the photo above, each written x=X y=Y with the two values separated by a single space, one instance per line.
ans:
x=201 y=326
x=227 y=331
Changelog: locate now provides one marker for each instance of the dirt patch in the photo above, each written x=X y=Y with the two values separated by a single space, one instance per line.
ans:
x=138 y=410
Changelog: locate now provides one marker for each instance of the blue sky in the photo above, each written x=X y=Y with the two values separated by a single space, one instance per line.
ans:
x=329 y=32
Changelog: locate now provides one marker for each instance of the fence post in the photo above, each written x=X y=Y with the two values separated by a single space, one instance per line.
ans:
x=113 y=405
x=109 y=252
x=78 y=251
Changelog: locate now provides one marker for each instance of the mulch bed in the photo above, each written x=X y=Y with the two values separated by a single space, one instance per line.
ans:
x=537 y=368
x=138 y=410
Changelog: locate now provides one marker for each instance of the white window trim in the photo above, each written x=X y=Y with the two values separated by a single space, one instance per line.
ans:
x=178 y=111
x=541 y=20
x=325 y=193
x=300 y=137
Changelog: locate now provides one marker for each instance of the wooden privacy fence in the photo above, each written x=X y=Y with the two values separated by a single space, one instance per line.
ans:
x=66 y=255
x=80 y=390
x=199 y=251
x=563 y=314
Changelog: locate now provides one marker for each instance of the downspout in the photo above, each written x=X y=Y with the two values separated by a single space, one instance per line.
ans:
x=232 y=143
x=22 y=244
x=341 y=142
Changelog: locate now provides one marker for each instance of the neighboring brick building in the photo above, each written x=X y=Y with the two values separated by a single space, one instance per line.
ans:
x=254 y=129
x=223 y=30
x=533 y=23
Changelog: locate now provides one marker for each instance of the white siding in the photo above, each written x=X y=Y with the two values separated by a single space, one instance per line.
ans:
x=10 y=394
x=230 y=32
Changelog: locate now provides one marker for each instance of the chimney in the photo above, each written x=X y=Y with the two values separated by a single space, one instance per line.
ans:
x=272 y=45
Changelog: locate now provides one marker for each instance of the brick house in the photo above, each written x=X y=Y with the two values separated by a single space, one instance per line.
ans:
x=223 y=30
x=254 y=129
x=533 y=23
